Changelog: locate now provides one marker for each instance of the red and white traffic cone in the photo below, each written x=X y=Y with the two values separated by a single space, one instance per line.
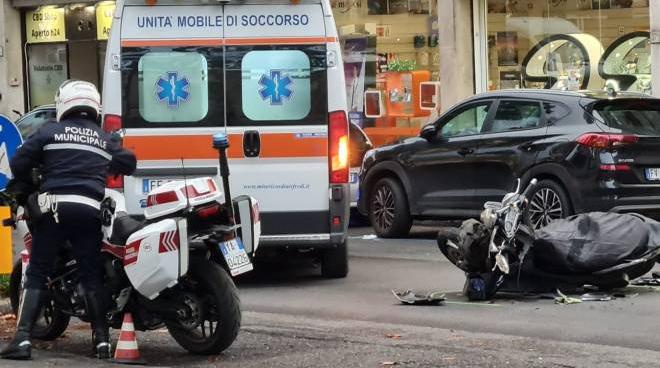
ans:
x=127 y=351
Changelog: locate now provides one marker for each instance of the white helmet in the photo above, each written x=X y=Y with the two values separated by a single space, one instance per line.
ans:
x=77 y=96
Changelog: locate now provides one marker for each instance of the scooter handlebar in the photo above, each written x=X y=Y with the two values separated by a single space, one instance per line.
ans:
x=529 y=188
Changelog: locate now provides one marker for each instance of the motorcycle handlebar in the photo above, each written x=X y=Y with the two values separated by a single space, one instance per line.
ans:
x=529 y=188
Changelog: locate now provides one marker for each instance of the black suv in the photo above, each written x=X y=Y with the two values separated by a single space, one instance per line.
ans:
x=590 y=151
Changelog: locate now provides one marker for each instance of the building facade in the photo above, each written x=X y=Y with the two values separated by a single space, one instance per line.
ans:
x=406 y=61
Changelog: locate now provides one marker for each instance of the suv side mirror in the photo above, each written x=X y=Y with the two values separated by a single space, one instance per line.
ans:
x=429 y=132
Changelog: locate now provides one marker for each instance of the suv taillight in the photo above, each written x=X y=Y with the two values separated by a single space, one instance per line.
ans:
x=606 y=141
x=111 y=123
x=338 y=142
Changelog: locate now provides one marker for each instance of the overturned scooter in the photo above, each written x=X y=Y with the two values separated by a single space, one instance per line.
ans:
x=500 y=252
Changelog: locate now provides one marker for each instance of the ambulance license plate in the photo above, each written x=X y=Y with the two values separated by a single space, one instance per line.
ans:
x=236 y=256
x=149 y=184
x=653 y=174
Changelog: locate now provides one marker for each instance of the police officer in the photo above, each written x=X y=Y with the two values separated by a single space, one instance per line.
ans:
x=74 y=156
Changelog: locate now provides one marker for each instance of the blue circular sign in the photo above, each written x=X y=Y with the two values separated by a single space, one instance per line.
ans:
x=10 y=140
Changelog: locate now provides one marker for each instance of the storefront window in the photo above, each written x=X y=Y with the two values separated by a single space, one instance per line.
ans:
x=389 y=46
x=569 y=45
x=65 y=41
x=47 y=70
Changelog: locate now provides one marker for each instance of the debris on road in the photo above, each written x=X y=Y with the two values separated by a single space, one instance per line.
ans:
x=413 y=298
x=564 y=299
x=596 y=297
x=393 y=336
x=388 y=364
x=653 y=280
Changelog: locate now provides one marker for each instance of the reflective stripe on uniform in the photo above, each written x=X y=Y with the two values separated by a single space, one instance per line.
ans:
x=72 y=198
x=76 y=146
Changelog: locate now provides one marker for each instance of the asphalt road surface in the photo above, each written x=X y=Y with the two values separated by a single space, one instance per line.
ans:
x=294 y=318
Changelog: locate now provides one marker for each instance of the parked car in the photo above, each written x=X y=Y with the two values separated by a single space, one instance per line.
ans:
x=590 y=151
x=33 y=120
x=358 y=144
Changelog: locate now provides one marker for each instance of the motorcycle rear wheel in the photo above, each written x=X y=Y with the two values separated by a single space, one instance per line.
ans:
x=211 y=293
x=52 y=322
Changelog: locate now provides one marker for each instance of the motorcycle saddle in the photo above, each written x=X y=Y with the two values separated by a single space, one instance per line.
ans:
x=123 y=227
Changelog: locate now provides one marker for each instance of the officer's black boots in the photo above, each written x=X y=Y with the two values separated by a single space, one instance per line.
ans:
x=96 y=307
x=20 y=347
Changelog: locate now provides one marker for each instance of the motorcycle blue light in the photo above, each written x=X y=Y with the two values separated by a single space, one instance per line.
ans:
x=220 y=141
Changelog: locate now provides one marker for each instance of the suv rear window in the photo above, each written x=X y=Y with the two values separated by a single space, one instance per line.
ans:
x=639 y=116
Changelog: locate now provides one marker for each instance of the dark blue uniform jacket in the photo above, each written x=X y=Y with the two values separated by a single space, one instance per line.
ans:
x=74 y=156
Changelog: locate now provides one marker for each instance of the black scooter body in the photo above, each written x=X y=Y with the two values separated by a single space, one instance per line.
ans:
x=532 y=279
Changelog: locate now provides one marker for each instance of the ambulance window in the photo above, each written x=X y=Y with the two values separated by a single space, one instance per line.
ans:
x=172 y=87
x=178 y=76
x=277 y=85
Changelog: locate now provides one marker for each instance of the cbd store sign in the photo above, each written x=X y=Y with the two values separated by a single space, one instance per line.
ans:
x=104 y=12
x=45 y=25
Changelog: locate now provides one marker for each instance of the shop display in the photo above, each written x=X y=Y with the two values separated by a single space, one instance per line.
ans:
x=559 y=43
x=564 y=62
x=507 y=48
x=626 y=64
x=389 y=48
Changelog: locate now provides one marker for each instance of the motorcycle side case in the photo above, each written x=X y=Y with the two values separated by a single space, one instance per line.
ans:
x=246 y=211
x=157 y=256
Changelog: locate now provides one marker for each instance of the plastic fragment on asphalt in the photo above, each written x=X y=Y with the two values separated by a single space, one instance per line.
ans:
x=369 y=237
x=412 y=298
x=393 y=336
x=387 y=364
x=596 y=297
x=647 y=280
x=564 y=299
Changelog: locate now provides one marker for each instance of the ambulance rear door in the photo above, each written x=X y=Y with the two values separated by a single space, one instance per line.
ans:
x=277 y=116
x=172 y=92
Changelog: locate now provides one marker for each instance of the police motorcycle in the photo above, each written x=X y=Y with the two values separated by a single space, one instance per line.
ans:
x=170 y=269
x=501 y=252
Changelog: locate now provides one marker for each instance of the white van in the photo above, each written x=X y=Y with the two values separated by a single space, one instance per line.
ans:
x=270 y=75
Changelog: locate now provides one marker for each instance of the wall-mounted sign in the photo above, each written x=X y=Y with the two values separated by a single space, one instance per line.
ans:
x=104 y=12
x=45 y=25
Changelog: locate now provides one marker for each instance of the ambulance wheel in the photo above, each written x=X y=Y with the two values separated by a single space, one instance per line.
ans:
x=213 y=316
x=334 y=262
x=52 y=322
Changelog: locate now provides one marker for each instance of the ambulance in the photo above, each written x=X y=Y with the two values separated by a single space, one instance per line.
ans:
x=267 y=73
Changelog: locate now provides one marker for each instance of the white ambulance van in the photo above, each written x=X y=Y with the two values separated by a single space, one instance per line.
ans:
x=270 y=75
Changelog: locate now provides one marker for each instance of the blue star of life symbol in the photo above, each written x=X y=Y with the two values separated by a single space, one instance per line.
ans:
x=173 y=89
x=276 y=87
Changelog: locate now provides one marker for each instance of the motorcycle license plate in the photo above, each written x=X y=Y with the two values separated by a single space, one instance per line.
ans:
x=236 y=256
x=653 y=174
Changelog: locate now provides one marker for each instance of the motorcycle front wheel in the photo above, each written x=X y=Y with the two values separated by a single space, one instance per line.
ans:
x=51 y=323
x=215 y=311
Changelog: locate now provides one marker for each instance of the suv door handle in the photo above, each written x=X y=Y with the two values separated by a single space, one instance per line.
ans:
x=464 y=151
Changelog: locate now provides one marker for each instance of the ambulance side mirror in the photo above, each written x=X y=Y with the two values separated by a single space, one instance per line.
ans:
x=373 y=104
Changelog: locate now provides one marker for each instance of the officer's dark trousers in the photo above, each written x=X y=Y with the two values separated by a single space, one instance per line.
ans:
x=78 y=224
